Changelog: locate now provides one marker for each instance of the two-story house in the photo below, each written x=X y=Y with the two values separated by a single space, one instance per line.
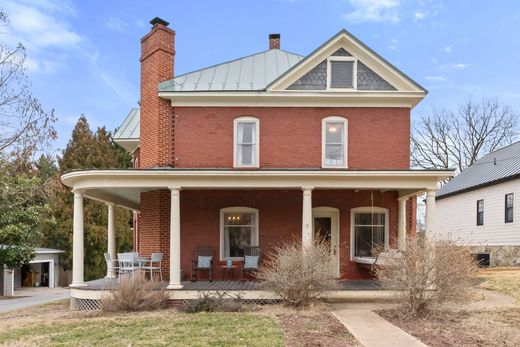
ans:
x=261 y=149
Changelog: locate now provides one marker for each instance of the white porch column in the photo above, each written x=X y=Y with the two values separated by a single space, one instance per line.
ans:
x=401 y=225
x=77 y=241
x=430 y=211
x=111 y=247
x=307 y=236
x=175 y=239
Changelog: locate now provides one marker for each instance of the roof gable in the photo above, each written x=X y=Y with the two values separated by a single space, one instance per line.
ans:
x=250 y=73
x=344 y=43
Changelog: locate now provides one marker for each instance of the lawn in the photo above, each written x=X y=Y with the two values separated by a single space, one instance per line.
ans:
x=56 y=325
x=506 y=280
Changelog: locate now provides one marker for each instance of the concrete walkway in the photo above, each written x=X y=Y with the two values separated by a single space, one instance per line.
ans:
x=26 y=297
x=370 y=329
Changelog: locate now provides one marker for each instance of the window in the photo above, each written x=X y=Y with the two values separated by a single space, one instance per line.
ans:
x=480 y=212
x=334 y=142
x=246 y=135
x=369 y=231
x=341 y=72
x=239 y=229
x=509 y=208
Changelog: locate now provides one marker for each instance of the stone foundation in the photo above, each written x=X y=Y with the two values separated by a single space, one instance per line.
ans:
x=500 y=255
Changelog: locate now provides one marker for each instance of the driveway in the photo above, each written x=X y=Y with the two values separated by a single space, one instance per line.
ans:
x=25 y=297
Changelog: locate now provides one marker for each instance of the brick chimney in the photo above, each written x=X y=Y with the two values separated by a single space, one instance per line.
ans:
x=157 y=56
x=274 y=41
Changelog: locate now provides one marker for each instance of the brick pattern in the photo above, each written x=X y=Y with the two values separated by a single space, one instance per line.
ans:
x=279 y=219
x=157 y=119
x=378 y=138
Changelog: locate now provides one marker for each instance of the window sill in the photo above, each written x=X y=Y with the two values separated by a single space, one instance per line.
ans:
x=364 y=260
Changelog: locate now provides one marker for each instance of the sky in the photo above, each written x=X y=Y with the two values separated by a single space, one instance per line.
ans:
x=83 y=57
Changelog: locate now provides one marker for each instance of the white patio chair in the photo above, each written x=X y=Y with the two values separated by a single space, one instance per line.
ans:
x=155 y=265
x=126 y=263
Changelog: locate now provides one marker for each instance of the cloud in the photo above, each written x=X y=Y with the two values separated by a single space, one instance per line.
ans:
x=447 y=49
x=375 y=11
x=116 y=23
x=393 y=44
x=458 y=66
x=419 y=15
x=436 y=78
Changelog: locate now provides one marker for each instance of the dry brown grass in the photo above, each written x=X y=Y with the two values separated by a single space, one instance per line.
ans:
x=428 y=274
x=134 y=294
x=462 y=327
x=506 y=280
x=298 y=275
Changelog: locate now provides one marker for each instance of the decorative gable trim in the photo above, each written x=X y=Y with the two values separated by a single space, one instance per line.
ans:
x=341 y=44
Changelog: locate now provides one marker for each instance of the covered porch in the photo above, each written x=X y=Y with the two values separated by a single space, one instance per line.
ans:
x=307 y=194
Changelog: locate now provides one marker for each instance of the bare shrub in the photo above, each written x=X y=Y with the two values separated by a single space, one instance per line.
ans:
x=135 y=294
x=298 y=275
x=214 y=302
x=429 y=273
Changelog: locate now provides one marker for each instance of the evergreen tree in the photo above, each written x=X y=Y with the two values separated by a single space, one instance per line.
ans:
x=87 y=150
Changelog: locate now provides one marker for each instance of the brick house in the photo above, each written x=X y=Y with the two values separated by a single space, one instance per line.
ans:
x=261 y=149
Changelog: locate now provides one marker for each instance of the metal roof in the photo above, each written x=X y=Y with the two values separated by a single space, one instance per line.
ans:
x=253 y=72
x=130 y=127
x=495 y=167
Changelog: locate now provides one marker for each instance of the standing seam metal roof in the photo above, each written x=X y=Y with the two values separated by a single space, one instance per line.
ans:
x=253 y=72
x=130 y=129
x=494 y=167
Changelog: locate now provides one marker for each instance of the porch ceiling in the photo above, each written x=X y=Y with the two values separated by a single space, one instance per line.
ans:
x=123 y=187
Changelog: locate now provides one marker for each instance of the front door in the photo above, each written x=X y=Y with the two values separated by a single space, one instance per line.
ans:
x=326 y=226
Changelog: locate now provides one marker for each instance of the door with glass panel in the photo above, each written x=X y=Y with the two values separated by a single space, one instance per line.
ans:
x=326 y=227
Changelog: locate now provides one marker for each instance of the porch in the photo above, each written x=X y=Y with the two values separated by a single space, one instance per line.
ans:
x=295 y=196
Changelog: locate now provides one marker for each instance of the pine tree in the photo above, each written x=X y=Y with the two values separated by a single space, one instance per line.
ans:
x=87 y=150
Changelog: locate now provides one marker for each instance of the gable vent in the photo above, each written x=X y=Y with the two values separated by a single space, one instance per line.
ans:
x=342 y=74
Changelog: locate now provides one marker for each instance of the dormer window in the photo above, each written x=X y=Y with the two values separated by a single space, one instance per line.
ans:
x=341 y=72
x=246 y=142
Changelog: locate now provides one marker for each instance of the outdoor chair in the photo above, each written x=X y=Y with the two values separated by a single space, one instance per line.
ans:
x=155 y=265
x=126 y=262
x=111 y=264
x=251 y=261
x=204 y=262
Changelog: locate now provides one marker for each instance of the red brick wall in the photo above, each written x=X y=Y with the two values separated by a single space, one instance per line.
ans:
x=378 y=138
x=279 y=219
x=157 y=122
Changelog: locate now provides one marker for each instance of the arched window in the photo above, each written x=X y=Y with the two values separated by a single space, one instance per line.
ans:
x=246 y=134
x=334 y=142
x=238 y=230
x=369 y=231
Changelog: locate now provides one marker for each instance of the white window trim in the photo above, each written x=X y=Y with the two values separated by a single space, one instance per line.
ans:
x=483 y=213
x=354 y=72
x=246 y=119
x=365 y=209
x=324 y=122
x=238 y=209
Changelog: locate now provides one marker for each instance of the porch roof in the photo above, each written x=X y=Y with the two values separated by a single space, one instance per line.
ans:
x=123 y=186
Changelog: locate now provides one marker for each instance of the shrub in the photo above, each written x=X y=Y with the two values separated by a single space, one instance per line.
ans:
x=135 y=294
x=214 y=302
x=298 y=275
x=429 y=273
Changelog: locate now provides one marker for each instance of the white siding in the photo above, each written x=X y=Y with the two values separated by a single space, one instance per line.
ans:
x=457 y=215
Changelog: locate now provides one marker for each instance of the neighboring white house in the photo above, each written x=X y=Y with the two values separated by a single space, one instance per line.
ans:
x=481 y=206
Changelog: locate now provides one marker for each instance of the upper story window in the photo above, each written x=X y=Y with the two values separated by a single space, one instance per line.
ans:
x=246 y=142
x=480 y=212
x=341 y=72
x=334 y=142
x=238 y=230
x=510 y=199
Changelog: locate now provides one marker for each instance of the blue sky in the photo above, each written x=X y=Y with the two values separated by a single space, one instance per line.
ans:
x=84 y=55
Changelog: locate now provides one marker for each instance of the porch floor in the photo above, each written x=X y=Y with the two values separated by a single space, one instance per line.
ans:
x=112 y=283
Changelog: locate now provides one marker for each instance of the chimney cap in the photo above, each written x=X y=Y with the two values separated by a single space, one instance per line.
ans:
x=274 y=36
x=158 y=20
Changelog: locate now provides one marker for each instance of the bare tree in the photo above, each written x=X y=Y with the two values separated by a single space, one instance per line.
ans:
x=446 y=139
x=25 y=126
